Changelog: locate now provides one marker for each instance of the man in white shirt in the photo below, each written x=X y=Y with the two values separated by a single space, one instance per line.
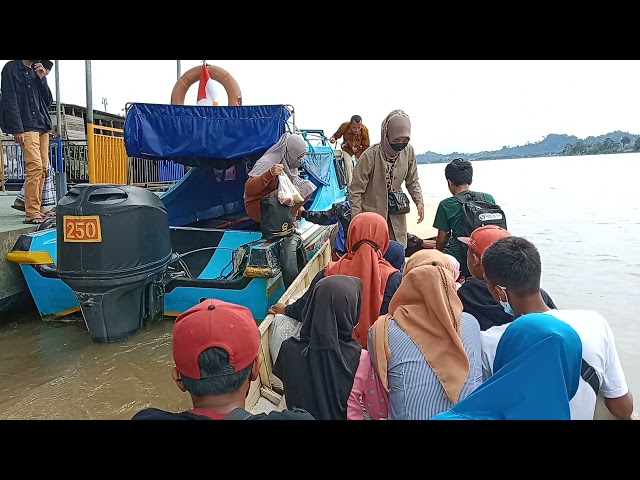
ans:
x=512 y=270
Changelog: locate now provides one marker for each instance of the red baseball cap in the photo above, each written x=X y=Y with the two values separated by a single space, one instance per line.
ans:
x=484 y=236
x=214 y=323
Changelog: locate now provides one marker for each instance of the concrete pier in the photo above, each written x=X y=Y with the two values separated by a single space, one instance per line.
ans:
x=14 y=293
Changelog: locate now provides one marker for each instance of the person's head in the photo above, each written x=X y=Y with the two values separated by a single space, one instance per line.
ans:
x=215 y=348
x=429 y=258
x=512 y=270
x=458 y=172
x=395 y=255
x=355 y=125
x=396 y=133
x=295 y=149
x=368 y=228
x=333 y=311
x=477 y=243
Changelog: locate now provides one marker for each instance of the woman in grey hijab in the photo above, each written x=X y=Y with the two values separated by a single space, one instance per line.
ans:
x=263 y=177
x=384 y=167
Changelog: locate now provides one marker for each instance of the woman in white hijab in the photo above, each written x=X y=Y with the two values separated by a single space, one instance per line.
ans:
x=284 y=156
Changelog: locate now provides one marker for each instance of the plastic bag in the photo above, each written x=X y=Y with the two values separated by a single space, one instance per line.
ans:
x=288 y=194
x=283 y=327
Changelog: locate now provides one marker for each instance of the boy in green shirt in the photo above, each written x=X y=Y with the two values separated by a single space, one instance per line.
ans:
x=448 y=219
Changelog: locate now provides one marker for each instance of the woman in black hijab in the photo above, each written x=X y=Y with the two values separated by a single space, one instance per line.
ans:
x=317 y=370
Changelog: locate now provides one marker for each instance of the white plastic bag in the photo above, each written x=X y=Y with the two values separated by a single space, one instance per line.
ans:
x=288 y=194
x=283 y=327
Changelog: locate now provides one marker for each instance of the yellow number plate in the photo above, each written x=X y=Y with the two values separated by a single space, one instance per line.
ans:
x=82 y=228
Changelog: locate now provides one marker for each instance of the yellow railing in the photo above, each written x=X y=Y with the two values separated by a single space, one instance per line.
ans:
x=107 y=155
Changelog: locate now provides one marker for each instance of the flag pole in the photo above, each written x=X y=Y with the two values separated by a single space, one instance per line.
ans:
x=61 y=174
x=179 y=69
x=91 y=154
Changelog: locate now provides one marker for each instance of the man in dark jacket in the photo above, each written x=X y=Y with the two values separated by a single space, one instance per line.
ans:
x=24 y=113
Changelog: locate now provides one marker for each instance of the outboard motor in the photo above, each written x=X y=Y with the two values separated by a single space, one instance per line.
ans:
x=114 y=248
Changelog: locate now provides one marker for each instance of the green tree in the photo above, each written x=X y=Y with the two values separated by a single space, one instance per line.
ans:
x=625 y=141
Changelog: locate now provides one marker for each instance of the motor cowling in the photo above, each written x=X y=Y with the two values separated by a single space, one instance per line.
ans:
x=113 y=250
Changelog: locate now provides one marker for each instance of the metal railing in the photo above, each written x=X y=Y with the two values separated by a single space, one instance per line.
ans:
x=110 y=156
x=138 y=171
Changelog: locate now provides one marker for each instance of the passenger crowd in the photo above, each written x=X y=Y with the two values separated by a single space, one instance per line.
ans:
x=458 y=331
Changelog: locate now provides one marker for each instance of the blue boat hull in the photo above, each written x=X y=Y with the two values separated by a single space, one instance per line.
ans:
x=55 y=300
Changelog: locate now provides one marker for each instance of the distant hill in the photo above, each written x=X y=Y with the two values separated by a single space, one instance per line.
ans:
x=553 y=144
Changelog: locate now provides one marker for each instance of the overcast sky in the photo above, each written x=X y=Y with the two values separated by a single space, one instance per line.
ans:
x=464 y=106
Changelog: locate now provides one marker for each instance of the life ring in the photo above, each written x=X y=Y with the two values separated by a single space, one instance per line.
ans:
x=217 y=74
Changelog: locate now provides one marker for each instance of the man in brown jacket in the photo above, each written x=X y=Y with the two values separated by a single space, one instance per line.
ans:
x=356 y=140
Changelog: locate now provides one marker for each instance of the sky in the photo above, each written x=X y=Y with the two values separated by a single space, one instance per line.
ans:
x=464 y=106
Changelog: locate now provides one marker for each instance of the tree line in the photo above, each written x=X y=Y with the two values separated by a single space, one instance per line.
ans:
x=580 y=147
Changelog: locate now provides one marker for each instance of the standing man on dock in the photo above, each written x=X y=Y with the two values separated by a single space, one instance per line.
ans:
x=356 y=140
x=24 y=113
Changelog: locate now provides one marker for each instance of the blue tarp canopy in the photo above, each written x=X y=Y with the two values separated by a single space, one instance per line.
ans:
x=317 y=162
x=201 y=135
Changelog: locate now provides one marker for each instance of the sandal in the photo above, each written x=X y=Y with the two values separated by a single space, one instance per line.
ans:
x=18 y=206
x=49 y=213
x=34 y=220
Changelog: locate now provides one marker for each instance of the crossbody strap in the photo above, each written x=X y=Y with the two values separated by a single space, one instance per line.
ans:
x=389 y=175
x=588 y=373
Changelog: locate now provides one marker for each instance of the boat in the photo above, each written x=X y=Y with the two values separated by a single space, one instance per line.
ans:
x=120 y=256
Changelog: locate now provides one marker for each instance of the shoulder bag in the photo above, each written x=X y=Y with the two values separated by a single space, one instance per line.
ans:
x=398 y=201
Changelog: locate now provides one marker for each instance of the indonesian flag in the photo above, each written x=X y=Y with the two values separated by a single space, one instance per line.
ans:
x=206 y=89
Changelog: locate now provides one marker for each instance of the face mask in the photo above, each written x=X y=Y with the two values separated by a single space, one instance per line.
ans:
x=296 y=163
x=506 y=306
x=398 y=147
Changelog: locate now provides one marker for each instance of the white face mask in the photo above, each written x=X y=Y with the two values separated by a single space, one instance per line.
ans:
x=506 y=305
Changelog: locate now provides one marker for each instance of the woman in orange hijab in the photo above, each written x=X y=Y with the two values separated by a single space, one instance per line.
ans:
x=367 y=242
x=426 y=351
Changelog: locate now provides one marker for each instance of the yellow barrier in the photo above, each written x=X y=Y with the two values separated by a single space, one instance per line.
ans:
x=107 y=155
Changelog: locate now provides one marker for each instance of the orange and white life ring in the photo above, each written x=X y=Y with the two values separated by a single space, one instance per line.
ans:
x=217 y=74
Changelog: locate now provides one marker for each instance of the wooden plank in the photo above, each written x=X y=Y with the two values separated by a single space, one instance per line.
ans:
x=302 y=281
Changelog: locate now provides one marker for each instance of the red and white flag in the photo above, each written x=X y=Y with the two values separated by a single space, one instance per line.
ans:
x=206 y=89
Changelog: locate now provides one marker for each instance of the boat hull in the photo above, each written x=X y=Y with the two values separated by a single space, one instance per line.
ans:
x=55 y=300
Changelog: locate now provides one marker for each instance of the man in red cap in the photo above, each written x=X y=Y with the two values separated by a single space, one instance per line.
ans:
x=216 y=353
x=474 y=293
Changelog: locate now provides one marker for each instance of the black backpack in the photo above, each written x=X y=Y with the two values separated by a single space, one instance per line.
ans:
x=477 y=212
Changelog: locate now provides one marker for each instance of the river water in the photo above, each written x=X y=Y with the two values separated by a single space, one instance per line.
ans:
x=579 y=212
